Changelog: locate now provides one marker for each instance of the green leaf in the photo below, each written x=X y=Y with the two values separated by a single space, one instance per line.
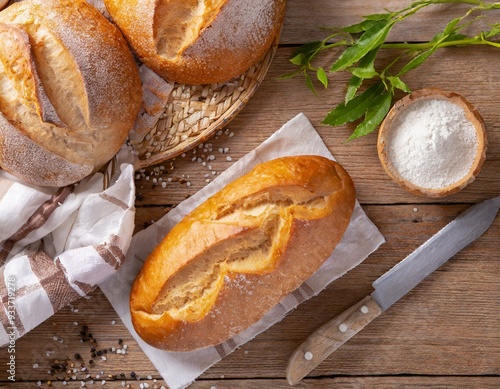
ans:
x=495 y=30
x=369 y=59
x=449 y=30
x=322 y=77
x=454 y=37
x=396 y=82
x=371 y=39
x=366 y=66
x=364 y=72
x=377 y=17
x=374 y=115
x=310 y=84
x=417 y=61
x=299 y=59
x=354 y=108
x=451 y=26
x=352 y=88
x=307 y=50
x=359 y=27
x=367 y=23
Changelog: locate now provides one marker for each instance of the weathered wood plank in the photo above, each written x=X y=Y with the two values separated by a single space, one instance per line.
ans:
x=278 y=101
x=304 y=19
x=444 y=333
x=447 y=326
x=324 y=383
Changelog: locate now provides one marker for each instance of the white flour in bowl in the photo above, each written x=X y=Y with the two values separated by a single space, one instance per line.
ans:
x=432 y=144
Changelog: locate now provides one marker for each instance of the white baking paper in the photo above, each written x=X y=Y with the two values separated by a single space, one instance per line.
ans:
x=179 y=370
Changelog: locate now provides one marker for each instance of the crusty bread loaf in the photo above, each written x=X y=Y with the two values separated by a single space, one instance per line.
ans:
x=3 y=4
x=199 y=41
x=239 y=253
x=69 y=90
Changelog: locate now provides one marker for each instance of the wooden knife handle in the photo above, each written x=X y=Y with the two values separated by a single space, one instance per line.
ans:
x=329 y=337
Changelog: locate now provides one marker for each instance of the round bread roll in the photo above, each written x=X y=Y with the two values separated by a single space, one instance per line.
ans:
x=199 y=41
x=69 y=91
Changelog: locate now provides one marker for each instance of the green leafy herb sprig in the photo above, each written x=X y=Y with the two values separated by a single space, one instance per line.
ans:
x=363 y=41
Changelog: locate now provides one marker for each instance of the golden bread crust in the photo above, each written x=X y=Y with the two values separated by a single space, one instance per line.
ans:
x=199 y=41
x=72 y=89
x=239 y=253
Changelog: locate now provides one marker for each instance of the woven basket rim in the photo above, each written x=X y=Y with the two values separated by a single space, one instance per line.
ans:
x=254 y=74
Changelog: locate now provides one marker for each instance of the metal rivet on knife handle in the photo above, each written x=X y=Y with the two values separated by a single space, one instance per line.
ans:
x=329 y=337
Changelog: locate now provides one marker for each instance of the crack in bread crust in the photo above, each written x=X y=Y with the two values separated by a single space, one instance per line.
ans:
x=239 y=253
x=69 y=87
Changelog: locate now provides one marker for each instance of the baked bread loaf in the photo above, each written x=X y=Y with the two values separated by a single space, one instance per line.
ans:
x=199 y=41
x=69 y=91
x=239 y=253
x=3 y=4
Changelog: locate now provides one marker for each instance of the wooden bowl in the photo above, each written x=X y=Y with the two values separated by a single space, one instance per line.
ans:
x=388 y=153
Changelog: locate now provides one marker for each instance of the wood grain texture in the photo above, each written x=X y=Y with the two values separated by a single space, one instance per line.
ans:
x=445 y=333
x=329 y=337
x=326 y=383
x=274 y=104
x=446 y=326
x=305 y=19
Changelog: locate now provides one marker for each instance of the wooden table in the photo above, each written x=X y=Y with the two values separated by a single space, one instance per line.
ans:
x=446 y=332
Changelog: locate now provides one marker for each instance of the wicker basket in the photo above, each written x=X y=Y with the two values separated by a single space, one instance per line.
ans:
x=195 y=113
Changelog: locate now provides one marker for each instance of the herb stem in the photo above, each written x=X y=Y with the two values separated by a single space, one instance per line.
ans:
x=428 y=45
x=362 y=42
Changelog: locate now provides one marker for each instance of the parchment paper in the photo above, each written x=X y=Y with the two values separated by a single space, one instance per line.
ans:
x=179 y=370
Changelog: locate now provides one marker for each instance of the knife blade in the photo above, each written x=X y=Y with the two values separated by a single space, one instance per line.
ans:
x=391 y=287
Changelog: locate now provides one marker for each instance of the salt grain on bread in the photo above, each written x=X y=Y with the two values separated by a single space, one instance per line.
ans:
x=199 y=41
x=69 y=91
x=242 y=251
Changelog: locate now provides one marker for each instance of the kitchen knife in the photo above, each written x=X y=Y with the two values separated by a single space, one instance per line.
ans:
x=392 y=286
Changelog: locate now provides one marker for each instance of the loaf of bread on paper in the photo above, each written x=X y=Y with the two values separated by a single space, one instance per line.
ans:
x=69 y=91
x=199 y=41
x=242 y=251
